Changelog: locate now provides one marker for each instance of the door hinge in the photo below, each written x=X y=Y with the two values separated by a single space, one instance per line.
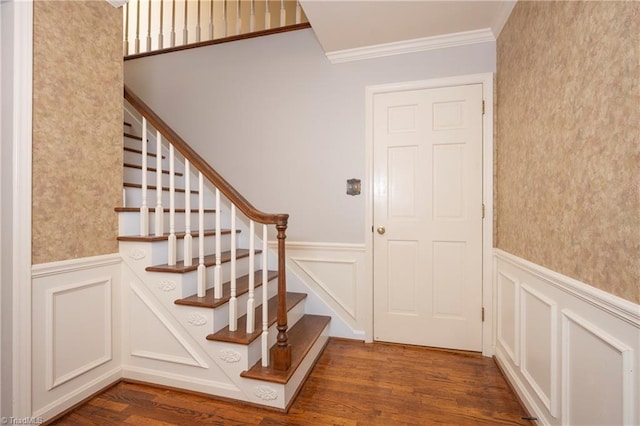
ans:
x=482 y=314
x=482 y=107
x=483 y=210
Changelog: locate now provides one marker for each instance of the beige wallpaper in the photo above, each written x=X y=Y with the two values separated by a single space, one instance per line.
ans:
x=77 y=129
x=568 y=140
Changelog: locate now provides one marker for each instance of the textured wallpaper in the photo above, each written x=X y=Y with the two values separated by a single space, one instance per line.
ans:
x=77 y=129
x=568 y=140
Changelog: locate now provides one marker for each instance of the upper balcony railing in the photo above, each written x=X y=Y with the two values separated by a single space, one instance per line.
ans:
x=154 y=26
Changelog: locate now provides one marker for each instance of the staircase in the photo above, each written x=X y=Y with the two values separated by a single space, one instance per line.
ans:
x=205 y=307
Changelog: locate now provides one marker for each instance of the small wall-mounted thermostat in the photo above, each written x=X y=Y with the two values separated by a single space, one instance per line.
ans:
x=353 y=187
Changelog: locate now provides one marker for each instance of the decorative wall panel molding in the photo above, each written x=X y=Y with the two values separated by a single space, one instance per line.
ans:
x=333 y=276
x=569 y=350
x=335 y=273
x=73 y=347
x=605 y=372
x=153 y=336
x=508 y=310
x=539 y=337
x=75 y=323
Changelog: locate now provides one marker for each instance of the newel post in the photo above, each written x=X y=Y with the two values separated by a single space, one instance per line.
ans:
x=281 y=353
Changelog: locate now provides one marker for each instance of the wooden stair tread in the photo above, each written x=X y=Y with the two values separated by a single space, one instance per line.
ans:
x=127 y=124
x=240 y=336
x=165 y=237
x=153 y=187
x=153 y=209
x=209 y=260
x=242 y=287
x=130 y=136
x=149 y=169
x=302 y=337
x=139 y=151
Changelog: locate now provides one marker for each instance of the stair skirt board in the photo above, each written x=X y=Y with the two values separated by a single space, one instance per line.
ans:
x=256 y=392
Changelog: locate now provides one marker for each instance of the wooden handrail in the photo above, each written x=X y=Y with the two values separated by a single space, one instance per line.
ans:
x=200 y=164
x=281 y=353
x=227 y=39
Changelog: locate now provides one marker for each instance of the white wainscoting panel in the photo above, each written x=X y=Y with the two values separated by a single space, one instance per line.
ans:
x=603 y=373
x=507 y=315
x=153 y=336
x=571 y=351
x=76 y=328
x=78 y=317
x=332 y=274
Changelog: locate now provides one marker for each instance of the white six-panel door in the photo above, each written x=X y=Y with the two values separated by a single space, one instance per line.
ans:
x=427 y=215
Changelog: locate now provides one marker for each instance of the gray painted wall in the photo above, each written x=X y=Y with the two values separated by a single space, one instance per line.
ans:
x=284 y=125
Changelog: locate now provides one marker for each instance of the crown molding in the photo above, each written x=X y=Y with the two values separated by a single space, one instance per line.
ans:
x=412 y=46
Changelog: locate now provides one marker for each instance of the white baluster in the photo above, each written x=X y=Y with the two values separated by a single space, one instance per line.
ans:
x=224 y=18
x=159 y=209
x=144 y=209
x=283 y=14
x=211 y=28
x=149 y=27
x=188 y=239
x=202 y=269
x=238 y=18
x=125 y=45
x=217 y=282
x=298 y=13
x=252 y=18
x=251 y=302
x=265 y=300
x=267 y=16
x=198 y=24
x=137 y=40
x=172 y=243
x=160 y=30
x=233 y=301
x=173 y=23
x=185 y=32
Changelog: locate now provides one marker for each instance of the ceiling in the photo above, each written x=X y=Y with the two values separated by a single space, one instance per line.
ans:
x=342 y=25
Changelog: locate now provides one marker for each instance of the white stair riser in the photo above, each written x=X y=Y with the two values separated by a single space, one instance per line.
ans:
x=134 y=175
x=250 y=354
x=133 y=198
x=221 y=313
x=136 y=158
x=158 y=250
x=129 y=222
x=186 y=283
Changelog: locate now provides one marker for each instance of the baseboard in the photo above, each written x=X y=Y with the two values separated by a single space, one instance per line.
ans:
x=80 y=395
x=184 y=383
x=569 y=350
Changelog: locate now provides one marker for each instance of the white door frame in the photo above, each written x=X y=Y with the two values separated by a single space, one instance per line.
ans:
x=486 y=79
x=17 y=61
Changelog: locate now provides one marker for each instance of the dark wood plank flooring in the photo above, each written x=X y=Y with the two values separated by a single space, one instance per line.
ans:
x=352 y=384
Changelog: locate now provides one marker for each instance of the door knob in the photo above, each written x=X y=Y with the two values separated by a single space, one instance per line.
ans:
x=381 y=230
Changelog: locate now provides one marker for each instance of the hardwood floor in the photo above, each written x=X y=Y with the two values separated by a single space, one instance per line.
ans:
x=352 y=384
